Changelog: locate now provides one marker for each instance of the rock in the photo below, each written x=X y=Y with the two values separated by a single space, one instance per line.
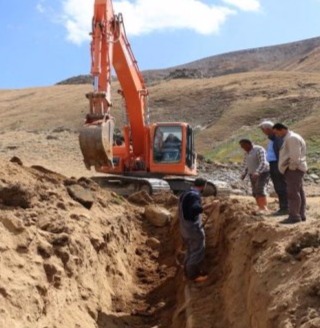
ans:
x=238 y=192
x=16 y=160
x=60 y=240
x=16 y=195
x=314 y=176
x=313 y=323
x=154 y=243
x=305 y=252
x=141 y=198
x=158 y=216
x=24 y=241
x=53 y=273
x=54 y=226
x=81 y=195
x=12 y=224
x=3 y=292
x=44 y=249
x=97 y=242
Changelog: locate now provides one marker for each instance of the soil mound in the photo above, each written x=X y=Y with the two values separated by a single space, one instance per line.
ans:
x=75 y=255
x=66 y=264
x=261 y=273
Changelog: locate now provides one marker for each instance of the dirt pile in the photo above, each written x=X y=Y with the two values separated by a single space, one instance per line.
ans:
x=75 y=255
x=261 y=274
x=67 y=264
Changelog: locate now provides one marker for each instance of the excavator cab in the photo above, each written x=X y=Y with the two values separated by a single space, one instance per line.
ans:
x=172 y=149
x=167 y=144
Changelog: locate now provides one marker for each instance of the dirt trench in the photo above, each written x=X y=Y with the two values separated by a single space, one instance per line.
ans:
x=261 y=274
x=73 y=255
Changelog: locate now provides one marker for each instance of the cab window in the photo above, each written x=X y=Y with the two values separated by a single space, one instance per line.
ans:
x=167 y=144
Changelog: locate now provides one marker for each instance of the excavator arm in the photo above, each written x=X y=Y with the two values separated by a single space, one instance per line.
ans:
x=110 y=49
x=103 y=37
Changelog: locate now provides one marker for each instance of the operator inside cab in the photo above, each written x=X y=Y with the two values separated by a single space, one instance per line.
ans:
x=167 y=144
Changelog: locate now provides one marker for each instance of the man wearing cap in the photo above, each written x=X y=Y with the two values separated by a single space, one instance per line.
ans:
x=192 y=231
x=293 y=164
x=277 y=178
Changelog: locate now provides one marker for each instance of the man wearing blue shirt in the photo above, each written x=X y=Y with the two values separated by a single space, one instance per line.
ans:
x=278 y=180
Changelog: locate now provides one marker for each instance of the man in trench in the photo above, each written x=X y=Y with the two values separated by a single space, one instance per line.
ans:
x=192 y=230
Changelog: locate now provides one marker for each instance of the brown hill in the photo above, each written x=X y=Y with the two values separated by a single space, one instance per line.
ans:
x=221 y=108
x=295 y=56
x=300 y=56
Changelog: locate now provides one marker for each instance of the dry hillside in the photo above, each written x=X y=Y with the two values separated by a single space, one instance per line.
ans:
x=222 y=109
x=302 y=56
x=279 y=82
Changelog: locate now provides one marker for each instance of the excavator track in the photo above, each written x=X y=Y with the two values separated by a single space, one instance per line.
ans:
x=126 y=185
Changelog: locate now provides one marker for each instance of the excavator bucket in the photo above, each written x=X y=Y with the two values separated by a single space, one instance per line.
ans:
x=96 y=142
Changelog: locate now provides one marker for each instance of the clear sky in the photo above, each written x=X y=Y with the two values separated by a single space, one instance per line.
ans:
x=45 y=41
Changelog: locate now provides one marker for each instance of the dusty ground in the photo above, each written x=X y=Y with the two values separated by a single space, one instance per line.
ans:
x=67 y=262
x=58 y=151
x=74 y=255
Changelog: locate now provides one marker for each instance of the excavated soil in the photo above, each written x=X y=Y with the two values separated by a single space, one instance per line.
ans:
x=73 y=255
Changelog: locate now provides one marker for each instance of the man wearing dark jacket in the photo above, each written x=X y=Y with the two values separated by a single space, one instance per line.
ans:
x=191 y=227
x=277 y=178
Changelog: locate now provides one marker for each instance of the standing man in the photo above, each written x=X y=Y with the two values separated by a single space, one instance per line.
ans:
x=293 y=164
x=192 y=231
x=277 y=178
x=255 y=164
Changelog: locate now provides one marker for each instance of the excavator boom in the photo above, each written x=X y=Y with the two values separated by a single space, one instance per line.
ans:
x=151 y=157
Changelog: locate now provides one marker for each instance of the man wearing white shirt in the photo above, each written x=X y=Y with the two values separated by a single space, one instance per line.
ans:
x=293 y=164
x=256 y=166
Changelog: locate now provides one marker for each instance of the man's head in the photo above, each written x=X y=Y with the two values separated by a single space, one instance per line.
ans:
x=246 y=144
x=280 y=130
x=200 y=183
x=266 y=127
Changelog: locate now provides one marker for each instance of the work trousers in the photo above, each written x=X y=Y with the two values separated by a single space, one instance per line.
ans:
x=194 y=256
x=295 y=194
x=279 y=184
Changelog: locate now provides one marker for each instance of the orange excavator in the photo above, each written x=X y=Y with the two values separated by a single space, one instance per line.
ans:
x=148 y=156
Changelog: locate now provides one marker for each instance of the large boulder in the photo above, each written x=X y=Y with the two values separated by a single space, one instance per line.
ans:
x=81 y=195
x=156 y=215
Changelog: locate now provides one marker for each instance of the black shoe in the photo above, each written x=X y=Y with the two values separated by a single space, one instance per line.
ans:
x=303 y=219
x=280 y=212
x=290 y=221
